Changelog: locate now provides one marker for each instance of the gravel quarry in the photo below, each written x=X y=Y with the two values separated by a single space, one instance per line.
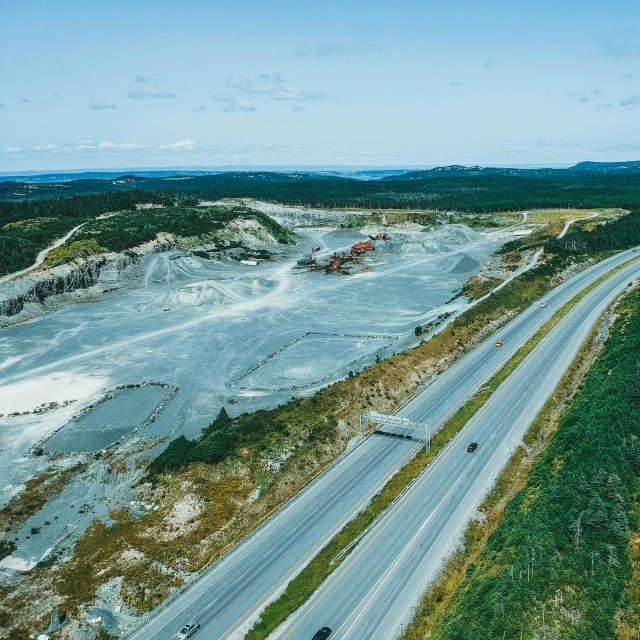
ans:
x=160 y=360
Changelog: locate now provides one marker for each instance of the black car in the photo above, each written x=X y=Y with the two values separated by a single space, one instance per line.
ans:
x=322 y=634
x=472 y=447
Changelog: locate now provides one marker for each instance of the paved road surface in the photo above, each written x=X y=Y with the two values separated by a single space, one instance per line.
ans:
x=374 y=590
x=231 y=595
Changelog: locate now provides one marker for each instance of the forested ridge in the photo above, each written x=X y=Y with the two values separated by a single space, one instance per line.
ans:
x=557 y=565
x=618 y=234
x=28 y=227
x=488 y=192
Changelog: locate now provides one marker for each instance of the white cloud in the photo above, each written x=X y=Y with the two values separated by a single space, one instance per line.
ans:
x=159 y=94
x=631 y=101
x=142 y=79
x=13 y=149
x=182 y=145
x=454 y=83
x=119 y=146
x=625 y=146
x=3 y=105
x=97 y=105
x=297 y=107
x=45 y=147
x=583 y=97
x=199 y=109
x=232 y=104
x=273 y=85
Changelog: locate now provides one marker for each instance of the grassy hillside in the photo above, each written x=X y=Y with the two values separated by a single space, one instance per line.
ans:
x=33 y=226
x=26 y=228
x=561 y=549
x=129 y=229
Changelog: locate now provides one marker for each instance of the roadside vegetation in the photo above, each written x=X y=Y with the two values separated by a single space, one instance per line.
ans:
x=477 y=286
x=241 y=469
x=309 y=579
x=558 y=564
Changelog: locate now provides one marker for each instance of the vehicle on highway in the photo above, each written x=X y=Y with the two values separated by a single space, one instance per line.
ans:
x=499 y=343
x=543 y=305
x=472 y=447
x=188 y=630
x=323 y=633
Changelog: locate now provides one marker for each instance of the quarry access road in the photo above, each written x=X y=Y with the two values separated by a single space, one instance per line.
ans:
x=373 y=592
x=42 y=255
x=229 y=597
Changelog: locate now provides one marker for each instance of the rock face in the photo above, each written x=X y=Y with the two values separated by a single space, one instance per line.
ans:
x=78 y=280
x=36 y=287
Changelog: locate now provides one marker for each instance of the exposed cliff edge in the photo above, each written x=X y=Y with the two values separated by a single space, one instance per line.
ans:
x=48 y=289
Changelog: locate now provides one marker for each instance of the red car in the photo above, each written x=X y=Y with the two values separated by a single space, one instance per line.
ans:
x=499 y=343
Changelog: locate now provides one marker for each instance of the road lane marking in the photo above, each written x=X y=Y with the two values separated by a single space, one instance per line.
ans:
x=567 y=293
x=238 y=598
x=539 y=352
x=355 y=509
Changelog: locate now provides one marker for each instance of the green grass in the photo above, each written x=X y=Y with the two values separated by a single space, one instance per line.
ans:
x=565 y=534
x=309 y=580
x=129 y=229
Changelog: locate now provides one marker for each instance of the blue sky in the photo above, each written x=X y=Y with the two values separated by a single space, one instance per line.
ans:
x=376 y=83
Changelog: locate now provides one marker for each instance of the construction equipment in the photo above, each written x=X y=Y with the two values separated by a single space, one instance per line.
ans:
x=362 y=247
x=308 y=261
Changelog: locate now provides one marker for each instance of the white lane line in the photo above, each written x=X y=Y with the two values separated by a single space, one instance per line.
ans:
x=242 y=576
x=268 y=552
x=269 y=569
x=238 y=598
x=566 y=293
x=351 y=587
x=373 y=560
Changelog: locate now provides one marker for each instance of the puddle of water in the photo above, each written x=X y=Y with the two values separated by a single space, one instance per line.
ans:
x=108 y=422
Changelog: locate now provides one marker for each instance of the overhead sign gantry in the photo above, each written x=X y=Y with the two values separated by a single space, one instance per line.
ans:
x=422 y=428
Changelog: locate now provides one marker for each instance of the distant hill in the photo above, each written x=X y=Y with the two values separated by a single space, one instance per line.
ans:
x=580 y=168
x=472 y=189
x=176 y=181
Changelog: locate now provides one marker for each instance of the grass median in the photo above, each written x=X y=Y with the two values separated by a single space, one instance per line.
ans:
x=302 y=587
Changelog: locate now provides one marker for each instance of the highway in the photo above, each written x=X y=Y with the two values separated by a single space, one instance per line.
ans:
x=230 y=596
x=373 y=592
